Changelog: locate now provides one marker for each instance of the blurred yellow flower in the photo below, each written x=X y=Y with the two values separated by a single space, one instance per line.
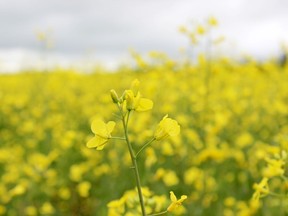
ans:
x=212 y=21
x=41 y=36
x=274 y=168
x=201 y=30
x=182 y=29
x=175 y=203
x=30 y=211
x=102 y=133
x=47 y=209
x=116 y=207
x=2 y=210
x=135 y=86
x=83 y=188
x=261 y=189
x=167 y=127
x=64 y=193
x=18 y=190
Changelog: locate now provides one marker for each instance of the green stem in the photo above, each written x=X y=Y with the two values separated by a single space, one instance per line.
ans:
x=277 y=195
x=120 y=138
x=119 y=117
x=144 y=146
x=160 y=213
x=134 y=161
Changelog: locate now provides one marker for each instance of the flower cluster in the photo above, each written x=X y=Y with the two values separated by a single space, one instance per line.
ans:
x=131 y=100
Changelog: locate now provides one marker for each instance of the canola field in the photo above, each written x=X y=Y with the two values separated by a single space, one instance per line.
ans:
x=229 y=158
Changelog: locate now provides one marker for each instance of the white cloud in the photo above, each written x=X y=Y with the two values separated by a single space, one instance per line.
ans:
x=110 y=27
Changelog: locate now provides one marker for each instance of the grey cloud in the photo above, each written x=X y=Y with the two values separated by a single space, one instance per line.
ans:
x=114 y=26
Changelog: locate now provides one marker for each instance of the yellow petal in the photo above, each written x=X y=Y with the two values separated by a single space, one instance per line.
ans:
x=183 y=197
x=99 y=127
x=130 y=99
x=173 y=197
x=135 y=86
x=96 y=142
x=144 y=105
x=110 y=126
x=172 y=206
x=166 y=116
x=101 y=147
x=175 y=129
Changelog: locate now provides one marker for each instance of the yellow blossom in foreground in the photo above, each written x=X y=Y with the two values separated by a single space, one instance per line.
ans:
x=136 y=102
x=175 y=203
x=102 y=133
x=261 y=189
x=167 y=127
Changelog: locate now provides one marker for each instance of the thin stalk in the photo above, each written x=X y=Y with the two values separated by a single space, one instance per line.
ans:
x=160 y=213
x=134 y=161
x=144 y=146
x=277 y=195
x=119 y=138
x=117 y=116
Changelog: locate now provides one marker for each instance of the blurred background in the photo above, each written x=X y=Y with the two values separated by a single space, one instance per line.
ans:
x=219 y=68
x=37 y=34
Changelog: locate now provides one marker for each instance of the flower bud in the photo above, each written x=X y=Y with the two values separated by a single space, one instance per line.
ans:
x=114 y=96
x=129 y=100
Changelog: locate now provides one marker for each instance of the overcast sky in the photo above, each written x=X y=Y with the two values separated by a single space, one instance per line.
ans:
x=107 y=29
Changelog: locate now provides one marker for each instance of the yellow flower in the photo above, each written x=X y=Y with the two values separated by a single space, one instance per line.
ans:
x=183 y=29
x=83 y=188
x=116 y=207
x=133 y=99
x=18 y=190
x=30 y=210
x=201 y=30
x=261 y=189
x=175 y=203
x=64 y=193
x=41 y=36
x=212 y=21
x=47 y=209
x=102 y=133
x=136 y=102
x=167 y=127
x=274 y=168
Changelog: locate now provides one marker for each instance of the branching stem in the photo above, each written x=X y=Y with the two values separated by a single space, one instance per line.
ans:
x=160 y=213
x=119 y=138
x=134 y=159
x=144 y=146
